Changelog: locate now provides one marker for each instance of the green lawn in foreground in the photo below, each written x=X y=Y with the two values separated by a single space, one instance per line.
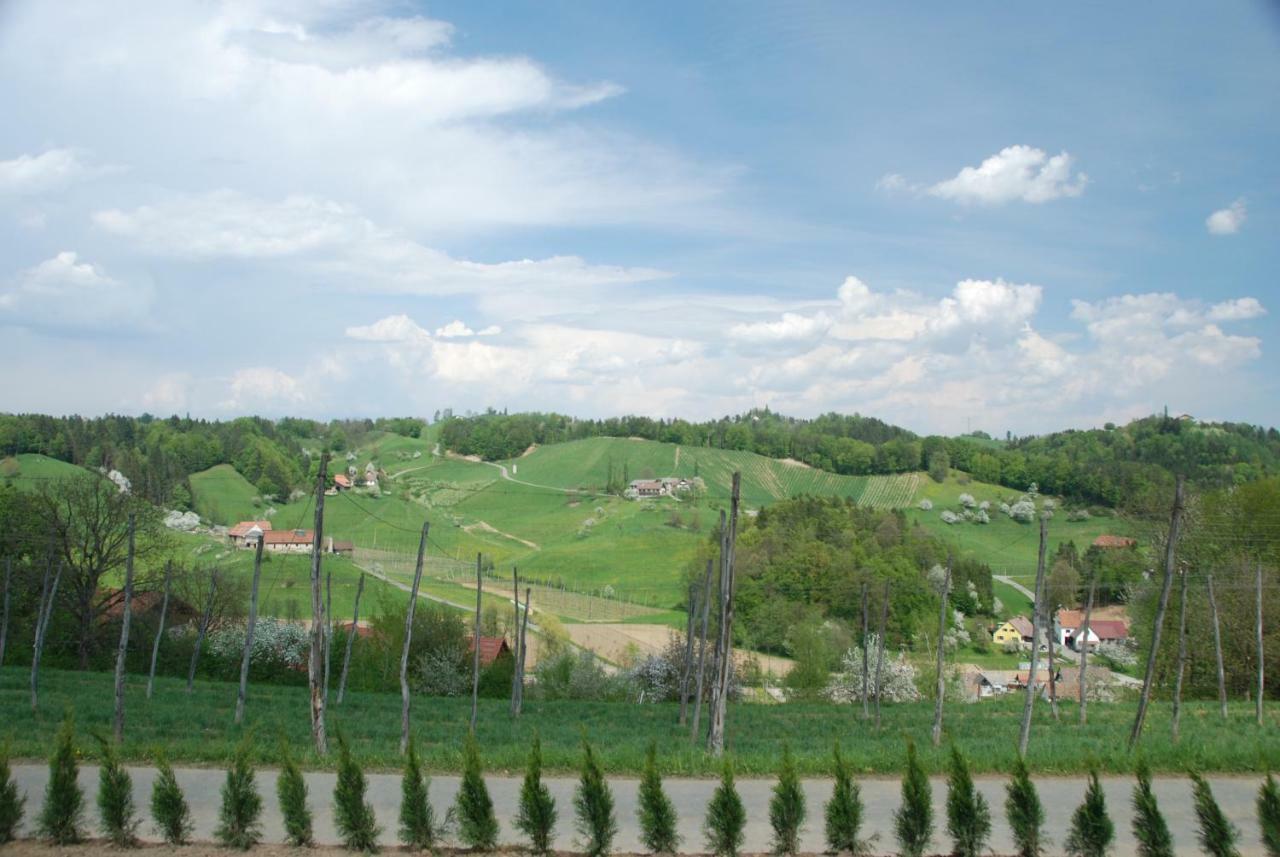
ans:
x=199 y=729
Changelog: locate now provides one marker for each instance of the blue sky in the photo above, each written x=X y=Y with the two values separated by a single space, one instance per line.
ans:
x=946 y=216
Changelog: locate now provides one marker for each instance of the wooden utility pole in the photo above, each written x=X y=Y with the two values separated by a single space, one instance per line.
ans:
x=524 y=651
x=715 y=737
x=249 y=628
x=1262 y=654
x=351 y=638
x=515 y=641
x=1024 y=735
x=866 y=658
x=47 y=594
x=884 y=624
x=475 y=649
x=1051 y=641
x=203 y=629
x=1217 y=650
x=940 y=685
x=164 y=613
x=1084 y=650
x=1170 y=555
x=690 y=607
x=315 y=664
x=1176 y=720
x=117 y=721
x=328 y=630
x=702 y=644
x=4 y=624
x=408 y=638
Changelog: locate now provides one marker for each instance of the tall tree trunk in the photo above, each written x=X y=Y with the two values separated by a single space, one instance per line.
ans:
x=1084 y=651
x=940 y=683
x=715 y=740
x=690 y=607
x=702 y=647
x=515 y=640
x=315 y=663
x=164 y=614
x=37 y=640
x=408 y=638
x=117 y=721
x=524 y=651
x=4 y=623
x=248 y=632
x=475 y=650
x=328 y=631
x=1262 y=653
x=1051 y=641
x=351 y=638
x=1028 y=704
x=1217 y=651
x=1170 y=555
x=884 y=625
x=204 y=629
x=866 y=658
x=1176 y=719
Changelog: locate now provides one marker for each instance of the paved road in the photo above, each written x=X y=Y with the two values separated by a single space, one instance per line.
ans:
x=1059 y=795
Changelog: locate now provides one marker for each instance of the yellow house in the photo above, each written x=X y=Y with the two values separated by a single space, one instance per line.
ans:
x=1016 y=630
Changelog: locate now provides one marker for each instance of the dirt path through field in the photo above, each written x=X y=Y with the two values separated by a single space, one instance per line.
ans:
x=486 y=527
x=619 y=642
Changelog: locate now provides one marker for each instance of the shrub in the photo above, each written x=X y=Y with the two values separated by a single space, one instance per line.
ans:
x=291 y=790
x=968 y=817
x=12 y=802
x=1091 y=828
x=115 y=798
x=1218 y=836
x=1269 y=815
x=898 y=681
x=169 y=807
x=657 y=813
x=726 y=816
x=913 y=821
x=536 y=817
x=418 y=828
x=238 y=818
x=786 y=807
x=1149 y=827
x=477 y=826
x=352 y=814
x=1025 y=813
x=844 y=811
x=60 y=817
x=593 y=804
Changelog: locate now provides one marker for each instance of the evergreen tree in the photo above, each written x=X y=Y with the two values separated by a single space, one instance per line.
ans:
x=1149 y=827
x=12 y=802
x=418 y=829
x=115 y=798
x=913 y=821
x=1092 y=831
x=593 y=805
x=238 y=818
x=536 y=817
x=786 y=807
x=657 y=813
x=1218 y=836
x=477 y=826
x=1025 y=813
x=169 y=809
x=1269 y=815
x=726 y=816
x=291 y=791
x=968 y=817
x=63 y=811
x=844 y=811
x=352 y=814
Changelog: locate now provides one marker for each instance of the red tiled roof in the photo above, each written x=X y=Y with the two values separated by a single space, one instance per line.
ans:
x=1109 y=629
x=1109 y=541
x=341 y=480
x=288 y=537
x=1072 y=619
x=1022 y=625
x=242 y=529
x=490 y=649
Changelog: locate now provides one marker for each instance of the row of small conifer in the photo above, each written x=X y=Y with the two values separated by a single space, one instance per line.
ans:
x=472 y=815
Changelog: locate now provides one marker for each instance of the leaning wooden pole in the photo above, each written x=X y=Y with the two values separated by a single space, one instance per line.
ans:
x=884 y=625
x=702 y=646
x=1051 y=642
x=1217 y=650
x=164 y=614
x=1170 y=555
x=1084 y=650
x=515 y=641
x=866 y=658
x=408 y=638
x=524 y=651
x=328 y=630
x=203 y=629
x=249 y=629
x=351 y=638
x=687 y=672
x=1176 y=717
x=4 y=622
x=1029 y=702
x=715 y=738
x=315 y=663
x=1262 y=653
x=940 y=682
x=117 y=720
x=37 y=641
x=475 y=649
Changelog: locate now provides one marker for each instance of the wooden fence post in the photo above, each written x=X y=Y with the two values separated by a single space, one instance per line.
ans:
x=351 y=638
x=884 y=624
x=690 y=607
x=1024 y=735
x=524 y=651
x=1217 y=650
x=866 y=658
x=117 y=721
x=47 y=594
x=515 y=640
x=1176 y=718
x=328 y=630
x=1084 y=650
x=203 y=629
x=249 y=628
x=4 y=623
x=164 y=613
x=1262 y=654
x=408 y=638
x=702 y=647
x=715 y=737
x=941 y=684
x=315 y=663
x=475 y=649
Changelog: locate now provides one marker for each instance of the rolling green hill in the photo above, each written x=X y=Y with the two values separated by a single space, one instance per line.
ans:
x=28 y=470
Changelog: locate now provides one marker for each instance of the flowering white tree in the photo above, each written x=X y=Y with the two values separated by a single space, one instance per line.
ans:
x=968 y=501
x=898 y=681
x=1023 y=511
x=926 y=504
x=950 y=517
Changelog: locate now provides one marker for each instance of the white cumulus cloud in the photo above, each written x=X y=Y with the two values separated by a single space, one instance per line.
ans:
x=1015 y=173
x=49 y=170
x=64 y=293
x=1227 y=221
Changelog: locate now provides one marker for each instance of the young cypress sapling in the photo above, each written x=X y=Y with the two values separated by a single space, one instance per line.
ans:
x=968 y=817
x=418 y=829
x=63 y=811
x=1269 y=815
x=238 y=818
x=1092 y=831
x=913 y=821
x=352 y=814
x=536 y=817
x=1149 y=827
x=593 y=805
x=726 y=816
x=169 y=809
x=786 y=807
x=291 y=791
x=477 y=825
x=1024 y=812
x=1218 y=836
x=657 y=813
x=115 y=798
x=844 y=811
x=12 y=802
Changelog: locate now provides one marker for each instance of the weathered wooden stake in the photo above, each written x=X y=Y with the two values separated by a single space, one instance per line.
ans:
x=164 y=613
x=1170 y=555
x=315 y=663
x=249 y=628
x=1176 y=719
x=515 y=639
x=1028 y=704
x=702 y=647
x=408 y=639
x=475 y=650
x=1051 y=641
x=690 y=607
x=866 y=658
x=524 y=652
x=351 y=638
x=1262 y=654
x=884 y=624
x=203 y=629
x=4 y=623
x=117 y=720
x=940 y=687
x=715 y=738
x=47 y=594
x=1217 y=650
x=1084 y=651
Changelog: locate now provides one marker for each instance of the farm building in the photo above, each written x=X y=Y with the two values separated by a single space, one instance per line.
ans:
x=288 y=541
x=341 y=481
x=246 y=533
x=341 y=547
x=1067 y=625
x=664 y=487
x=491 y=648
x=1016 y=630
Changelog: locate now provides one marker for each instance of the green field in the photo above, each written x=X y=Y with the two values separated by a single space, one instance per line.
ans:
x=29 y=471
x=199 y=729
